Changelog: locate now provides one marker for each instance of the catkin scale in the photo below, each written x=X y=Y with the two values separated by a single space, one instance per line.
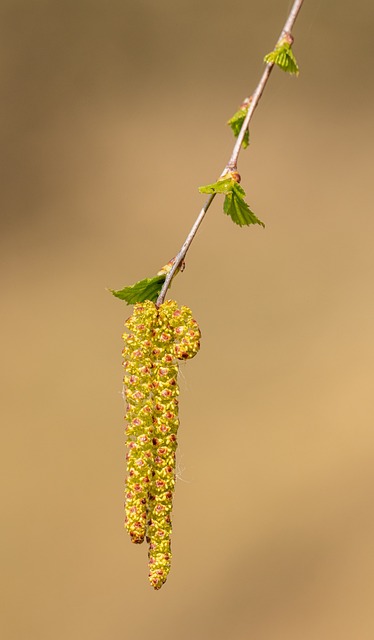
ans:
x=158 y=338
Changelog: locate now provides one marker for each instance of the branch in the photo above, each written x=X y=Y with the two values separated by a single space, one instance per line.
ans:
x=232 y=163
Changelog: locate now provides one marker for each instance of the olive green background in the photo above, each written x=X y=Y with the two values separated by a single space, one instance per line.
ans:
x=112 y=114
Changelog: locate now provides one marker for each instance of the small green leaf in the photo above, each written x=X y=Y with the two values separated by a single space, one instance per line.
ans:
x=147 y=289
x=236 y=207
x=223 y=185
x=234 y=204
x=283 y=57
x=236 y=123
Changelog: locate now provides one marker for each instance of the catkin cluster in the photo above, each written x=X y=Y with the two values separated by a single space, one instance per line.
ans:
x=157 y=339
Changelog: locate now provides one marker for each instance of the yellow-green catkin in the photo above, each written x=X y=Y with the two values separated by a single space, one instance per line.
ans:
x=139 y=416
x=172 y=334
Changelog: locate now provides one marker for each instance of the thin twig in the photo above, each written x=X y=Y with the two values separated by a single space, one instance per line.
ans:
x=292 y=17
x=232 y=163
x=254 y=100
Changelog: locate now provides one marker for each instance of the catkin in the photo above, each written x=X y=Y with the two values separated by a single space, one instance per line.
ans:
x=158 y=338
x=139 y=416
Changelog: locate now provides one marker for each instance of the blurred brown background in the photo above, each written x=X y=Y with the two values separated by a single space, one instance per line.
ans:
x=112 y=114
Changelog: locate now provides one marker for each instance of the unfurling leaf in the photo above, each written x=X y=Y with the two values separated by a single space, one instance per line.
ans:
x=236 y=207
x=236 y=123
x=234 y=204
x=223 y=185
x=147 y=289
x=283 y=57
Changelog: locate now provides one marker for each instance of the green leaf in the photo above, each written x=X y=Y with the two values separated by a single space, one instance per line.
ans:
x=147 y=289
x=236 y=207
x=283 y=57
x=234 y=204
x=223 y=185
x=236 y=123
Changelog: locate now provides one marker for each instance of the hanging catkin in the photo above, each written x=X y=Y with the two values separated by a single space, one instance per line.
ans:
x=158 y=338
